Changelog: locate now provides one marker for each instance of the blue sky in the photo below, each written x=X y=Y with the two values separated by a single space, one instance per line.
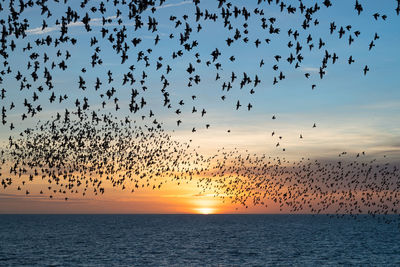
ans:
x=351 y=110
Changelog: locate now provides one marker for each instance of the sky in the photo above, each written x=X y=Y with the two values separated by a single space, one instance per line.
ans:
x=352 y=112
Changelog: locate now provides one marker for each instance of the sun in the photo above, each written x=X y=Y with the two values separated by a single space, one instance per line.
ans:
x=205 y=210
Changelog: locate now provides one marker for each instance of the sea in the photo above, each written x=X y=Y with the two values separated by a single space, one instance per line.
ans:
x=197 y=240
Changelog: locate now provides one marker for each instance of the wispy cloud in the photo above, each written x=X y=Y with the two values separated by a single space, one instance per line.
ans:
x=39 y=30
x=7 y=195
x=173 y=5
x=93 y=22
x=36 y=197
x=310 y=69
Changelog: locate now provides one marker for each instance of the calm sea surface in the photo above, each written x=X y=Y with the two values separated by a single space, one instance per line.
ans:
x=196 y=240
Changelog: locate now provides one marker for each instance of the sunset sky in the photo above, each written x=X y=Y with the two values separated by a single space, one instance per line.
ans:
x=352 y=112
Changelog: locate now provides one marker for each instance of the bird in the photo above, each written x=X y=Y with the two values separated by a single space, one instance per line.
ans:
x=365 y=70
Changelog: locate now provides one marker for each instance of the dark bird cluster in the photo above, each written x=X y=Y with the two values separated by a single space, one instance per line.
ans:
x=75 y=154
x=81 y=155
x=350 y=186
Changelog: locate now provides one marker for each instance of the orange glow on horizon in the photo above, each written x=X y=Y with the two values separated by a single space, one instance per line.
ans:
x=205 y=210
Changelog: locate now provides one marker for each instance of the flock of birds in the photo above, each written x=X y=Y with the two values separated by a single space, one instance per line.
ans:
x=82 y=147
x=74 y=154
x=83 y=155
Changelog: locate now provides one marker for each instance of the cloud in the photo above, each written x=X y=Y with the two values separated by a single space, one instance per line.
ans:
x=204 y=195
x=93 y=22
x=310 y=69
x=394 y=104
x=36 y=197
x=173 y=5
x=13 y=196
x=39 y=30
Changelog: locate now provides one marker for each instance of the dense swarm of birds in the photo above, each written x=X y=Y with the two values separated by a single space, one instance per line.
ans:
x=79 y=148
x=73 y=155
x=76 y=154
x=347 y=186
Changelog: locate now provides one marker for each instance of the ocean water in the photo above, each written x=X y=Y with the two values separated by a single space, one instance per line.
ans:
x=196 y=240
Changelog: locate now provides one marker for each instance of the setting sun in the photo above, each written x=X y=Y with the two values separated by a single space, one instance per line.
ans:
x=205 y=210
